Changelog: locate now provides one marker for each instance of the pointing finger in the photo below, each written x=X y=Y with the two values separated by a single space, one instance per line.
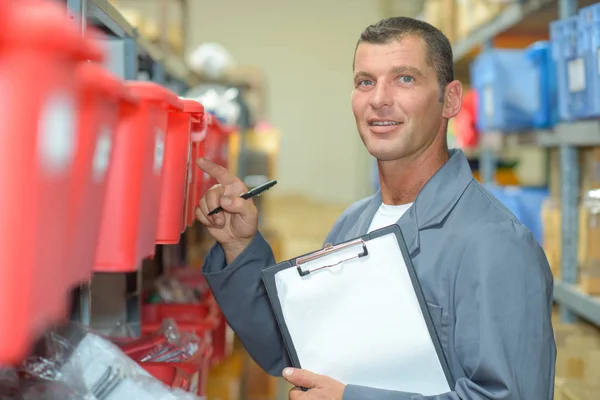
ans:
x=216 y=171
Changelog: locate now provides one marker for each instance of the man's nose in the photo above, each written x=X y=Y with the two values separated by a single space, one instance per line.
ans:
x=382 y=96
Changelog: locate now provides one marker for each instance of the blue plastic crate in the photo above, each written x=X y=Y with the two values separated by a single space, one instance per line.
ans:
x=540 y=55
x=570 y=69
x=506 y=82
x=589 y=50
x=525 y=203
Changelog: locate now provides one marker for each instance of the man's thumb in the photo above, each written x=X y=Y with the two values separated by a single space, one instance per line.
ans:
x=235 y=205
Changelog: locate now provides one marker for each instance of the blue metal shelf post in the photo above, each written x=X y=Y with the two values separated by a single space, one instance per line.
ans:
x=569 y=168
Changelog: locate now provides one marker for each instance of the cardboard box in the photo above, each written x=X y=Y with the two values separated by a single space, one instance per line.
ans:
x=579 y=391
x=225 y=380
x=552 y=245
x=442 y=15
x=472 y=14
x=259 y=385
x=578 y=349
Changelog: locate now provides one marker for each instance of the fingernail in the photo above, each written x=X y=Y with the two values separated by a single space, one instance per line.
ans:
x=219 y=221
x=288 y=371
x=226 y=201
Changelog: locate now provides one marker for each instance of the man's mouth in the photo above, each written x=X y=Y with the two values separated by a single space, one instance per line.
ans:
x=383 y=123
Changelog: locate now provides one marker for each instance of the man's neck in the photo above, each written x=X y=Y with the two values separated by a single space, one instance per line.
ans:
x=402 y=180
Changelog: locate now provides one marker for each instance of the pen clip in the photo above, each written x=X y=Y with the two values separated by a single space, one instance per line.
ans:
x=328 y=249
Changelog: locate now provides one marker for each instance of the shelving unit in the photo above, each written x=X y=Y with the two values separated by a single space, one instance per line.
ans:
x=131 y=57
x=568 y=137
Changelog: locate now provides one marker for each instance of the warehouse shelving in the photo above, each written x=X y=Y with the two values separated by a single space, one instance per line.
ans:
x=129 y=54
x=512 y=15
x=567 y=136
x=102 y=14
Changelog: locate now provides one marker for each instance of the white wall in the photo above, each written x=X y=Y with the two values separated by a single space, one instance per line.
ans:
x=305 y=49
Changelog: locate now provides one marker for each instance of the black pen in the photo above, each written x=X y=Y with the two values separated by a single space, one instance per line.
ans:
x=248 y=195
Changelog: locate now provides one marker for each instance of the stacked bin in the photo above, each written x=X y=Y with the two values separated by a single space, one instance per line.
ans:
x=216 y=147
x=589 y=45
x=540 y=56
x=103 y=96
x=177 y=164
x=195 y=183
x=130 y=221
x=39 y=54
x=570 y=69
x=507 y=101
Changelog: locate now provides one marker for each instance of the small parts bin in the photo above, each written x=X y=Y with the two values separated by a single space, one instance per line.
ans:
x=39 y=53
x=176 y=166
x=130 y=217
x=199 y=129
x=197 y=318
x=102 y=96
x=589 y=47
x=507 y=101
x=216 y=147
x=570 y=68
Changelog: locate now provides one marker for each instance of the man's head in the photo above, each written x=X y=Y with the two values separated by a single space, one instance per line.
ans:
x=404 y=88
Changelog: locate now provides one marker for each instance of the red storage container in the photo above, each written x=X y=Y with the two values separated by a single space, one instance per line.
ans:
x=216 y=146
x=103 y=96
x=177 y=162
x=222 y=335
x=198 y=318
x=194 y=195
x=130 y=218
x=190 y=375
x=39 y=51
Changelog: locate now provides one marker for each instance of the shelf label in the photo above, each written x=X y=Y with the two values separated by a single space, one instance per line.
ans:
x=102 y=154
x=576 y=71
x=57 y=137
x=488 y=101
x=159 y=151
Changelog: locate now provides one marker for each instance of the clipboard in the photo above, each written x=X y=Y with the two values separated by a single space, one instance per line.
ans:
x=336 y=319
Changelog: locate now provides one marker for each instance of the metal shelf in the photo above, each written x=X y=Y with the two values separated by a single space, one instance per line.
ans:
x=509 y=17
x=101 y=13
x=580 y=303
x=576 y=134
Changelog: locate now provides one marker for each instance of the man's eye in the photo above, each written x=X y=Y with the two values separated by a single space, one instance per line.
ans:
x=365 y=82
x=407 y=79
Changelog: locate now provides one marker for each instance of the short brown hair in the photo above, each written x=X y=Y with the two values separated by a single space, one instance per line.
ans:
x=439 y=49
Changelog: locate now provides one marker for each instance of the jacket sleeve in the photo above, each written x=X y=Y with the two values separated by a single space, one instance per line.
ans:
x=240 y=293
x=504 y=337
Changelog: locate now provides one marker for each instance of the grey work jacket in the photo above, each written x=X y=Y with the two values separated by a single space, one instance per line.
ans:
x=485 y=278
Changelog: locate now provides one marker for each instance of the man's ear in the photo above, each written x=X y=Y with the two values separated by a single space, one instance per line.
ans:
x=452 y=99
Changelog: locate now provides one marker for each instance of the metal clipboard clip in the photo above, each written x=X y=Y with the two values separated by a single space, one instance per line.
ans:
x=327 y=250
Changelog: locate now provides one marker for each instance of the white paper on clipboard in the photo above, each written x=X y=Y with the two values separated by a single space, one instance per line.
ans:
x=360 y=320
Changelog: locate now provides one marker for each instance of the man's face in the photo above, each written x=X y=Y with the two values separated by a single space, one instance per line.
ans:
x=396 y=98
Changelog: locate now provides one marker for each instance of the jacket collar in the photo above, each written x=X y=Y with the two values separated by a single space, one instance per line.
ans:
x=434 y=202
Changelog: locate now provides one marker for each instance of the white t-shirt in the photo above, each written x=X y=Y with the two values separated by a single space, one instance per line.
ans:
x=388 y=215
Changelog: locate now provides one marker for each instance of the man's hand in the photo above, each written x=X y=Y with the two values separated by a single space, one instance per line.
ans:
x=234 y=227
x=319 y=387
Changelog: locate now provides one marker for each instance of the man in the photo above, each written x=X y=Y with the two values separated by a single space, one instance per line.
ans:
x=486 y=280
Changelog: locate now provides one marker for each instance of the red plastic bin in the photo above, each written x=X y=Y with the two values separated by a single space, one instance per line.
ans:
x=222 y=335
x=177 y=161
x=216 y=147
x=197 y=318
x=130 y=218
x=39 y=52
x=199 y=129
x=190 y=375
x=103 y=98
